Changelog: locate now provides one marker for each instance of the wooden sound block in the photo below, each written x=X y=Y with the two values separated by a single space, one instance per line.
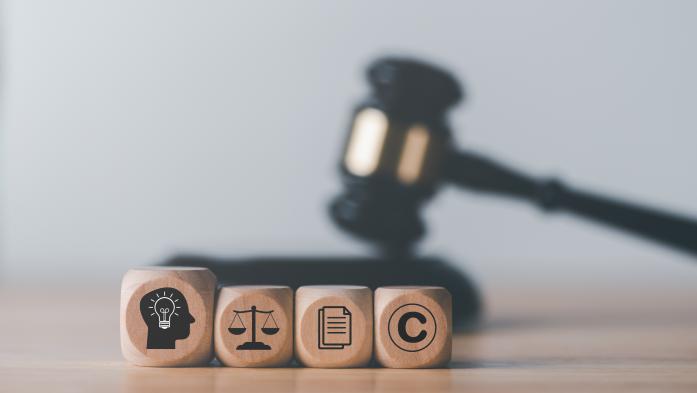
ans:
x=167 y=316
x=254 y=326
x=334 y=326
x=413 y=327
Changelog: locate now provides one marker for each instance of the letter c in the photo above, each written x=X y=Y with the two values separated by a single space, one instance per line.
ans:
x=402 y=327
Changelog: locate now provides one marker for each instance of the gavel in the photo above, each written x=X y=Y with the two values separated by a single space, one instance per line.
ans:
x=399 y=150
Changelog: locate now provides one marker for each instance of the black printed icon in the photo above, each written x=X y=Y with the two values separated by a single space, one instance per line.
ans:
x=412 y=327
x=166 y=313
x=237 y=328
x=334 y=327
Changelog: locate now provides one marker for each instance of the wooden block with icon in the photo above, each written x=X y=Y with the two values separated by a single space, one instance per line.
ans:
x=334 y=326
x=167 y=316
x=254 y=326
x=413 y=326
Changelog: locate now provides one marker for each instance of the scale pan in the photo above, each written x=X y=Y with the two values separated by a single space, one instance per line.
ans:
x=270 y=331
x=236 y=331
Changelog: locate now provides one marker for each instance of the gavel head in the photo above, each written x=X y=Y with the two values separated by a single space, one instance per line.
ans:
x=392 y=158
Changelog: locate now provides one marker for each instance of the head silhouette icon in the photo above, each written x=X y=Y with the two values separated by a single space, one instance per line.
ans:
x=166 y=313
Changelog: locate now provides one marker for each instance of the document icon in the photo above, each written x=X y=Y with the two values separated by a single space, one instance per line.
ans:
x=334 y=330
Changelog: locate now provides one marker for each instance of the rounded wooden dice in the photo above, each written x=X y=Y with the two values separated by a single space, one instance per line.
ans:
x=334 y=326
x=167 y=316
x=413 y=327
x=254 y=326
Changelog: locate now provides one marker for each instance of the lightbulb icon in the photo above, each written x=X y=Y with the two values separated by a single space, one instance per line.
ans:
x=164 y=307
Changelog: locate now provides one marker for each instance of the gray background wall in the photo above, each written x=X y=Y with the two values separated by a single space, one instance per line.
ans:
x=135 y=129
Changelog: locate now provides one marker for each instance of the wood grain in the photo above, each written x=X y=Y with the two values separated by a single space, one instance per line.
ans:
x=316 y=305
x=182 y=335
x=623 y=338
x=426 y=317
x=278 y=349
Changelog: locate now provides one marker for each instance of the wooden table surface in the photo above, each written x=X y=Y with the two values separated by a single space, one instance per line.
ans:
x=531 y=340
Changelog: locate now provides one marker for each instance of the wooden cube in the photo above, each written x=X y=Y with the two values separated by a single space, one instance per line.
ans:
x=167 y=316
x=254 y=326
x=413 y=327
x=334 y=326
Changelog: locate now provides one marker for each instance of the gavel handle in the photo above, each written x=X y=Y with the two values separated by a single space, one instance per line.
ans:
x=479 y=173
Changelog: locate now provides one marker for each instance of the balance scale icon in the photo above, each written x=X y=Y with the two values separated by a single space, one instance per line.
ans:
x=237 y=328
